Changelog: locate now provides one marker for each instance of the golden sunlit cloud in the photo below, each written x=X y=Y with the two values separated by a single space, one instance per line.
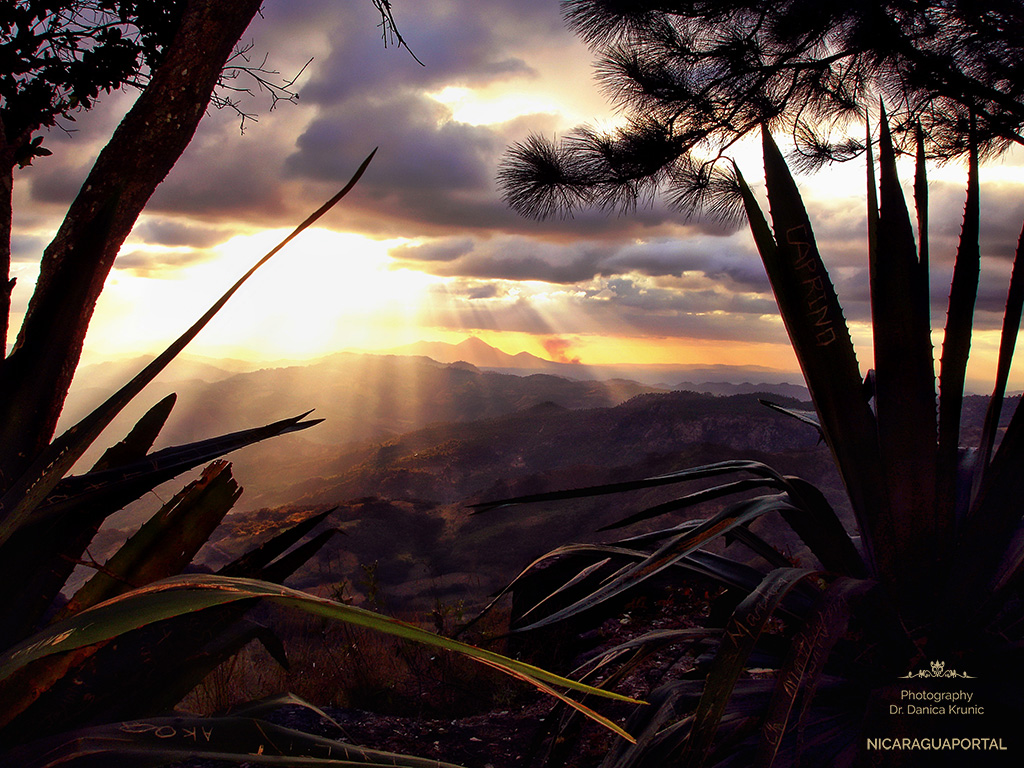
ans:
x=326 y=291
x=475 y=108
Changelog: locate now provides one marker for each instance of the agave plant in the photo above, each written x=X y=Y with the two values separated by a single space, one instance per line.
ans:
x=92 y=680
x=919 y=595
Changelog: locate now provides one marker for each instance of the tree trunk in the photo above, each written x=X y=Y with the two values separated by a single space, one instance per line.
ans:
x=6 y=222
x=153 y=135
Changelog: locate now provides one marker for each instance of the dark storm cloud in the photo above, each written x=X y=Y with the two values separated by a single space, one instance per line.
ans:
x=176 y=233
x=506 y=258
x=460 y=43
x=433 y=172
x=27 y=248
x=731 y=260
x=225 y=175
x=57 y=179
x=628 y=293
x=421 y=149
x=727 y=260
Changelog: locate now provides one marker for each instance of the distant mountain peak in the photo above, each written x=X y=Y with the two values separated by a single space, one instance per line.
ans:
x=475 y=342
x=475 y=351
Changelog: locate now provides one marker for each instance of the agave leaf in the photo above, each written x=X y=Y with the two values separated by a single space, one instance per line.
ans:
x=1007 y=343
x=116 y=487
x=805 y=661
x=167 y=542
x=649 y=724
x=578 y=578
x=141 y=673
x=956 y=344
x=163 y=740
x=42 y=476
x=650 y=641
x=818 y=526
x=670 y=553
x=253 y=562
x=42 y=554
x=183 y=673
x=694 y=473
x=921 y=204
x=286 y=565
x=718 y=568
x=188 y=594
x=692 y=499
x=807 y=417
x=43 y=559
x=758 y=546
x=141 y=438
x=905 y=385
x=821 y=340
x=744 y=629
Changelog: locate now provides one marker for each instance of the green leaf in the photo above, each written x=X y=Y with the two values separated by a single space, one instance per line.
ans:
x=698 y=497
x=956 y=343
x=670 y=553
x=905 y=387
x=138 y=442
x=1007 y=343
x=695 y=473
x=805 y=661
x=167 y=542
x=821 y=340
x=28 y=491
x=251 y=564
x=818 y=526
x=141 y=673
x=741 y=635
x=188 y=594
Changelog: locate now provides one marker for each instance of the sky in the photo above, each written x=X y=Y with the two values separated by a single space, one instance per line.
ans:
x=425 y=248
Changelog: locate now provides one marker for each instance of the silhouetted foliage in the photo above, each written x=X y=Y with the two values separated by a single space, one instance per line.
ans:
x=58 y=57
x=696 y=76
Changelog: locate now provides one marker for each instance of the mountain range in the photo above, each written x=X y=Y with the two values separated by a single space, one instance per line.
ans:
x=361 y=396
x=696 y=377
x=409 y=441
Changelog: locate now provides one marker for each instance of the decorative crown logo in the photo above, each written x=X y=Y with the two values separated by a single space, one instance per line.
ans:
x=937 y=669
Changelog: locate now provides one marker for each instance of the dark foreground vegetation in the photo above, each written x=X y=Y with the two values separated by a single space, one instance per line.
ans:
x=714 y=640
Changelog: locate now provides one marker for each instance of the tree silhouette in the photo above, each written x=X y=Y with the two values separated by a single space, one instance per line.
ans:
x=56 y=57
x=693 y=77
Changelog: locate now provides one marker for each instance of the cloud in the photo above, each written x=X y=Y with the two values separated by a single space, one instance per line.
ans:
x=27 y=247
x=144 y=263
x=604 y=306
x=178 y=232
x=729 y=260
x=433 y=180
x=460 y=43
x=558 y=350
